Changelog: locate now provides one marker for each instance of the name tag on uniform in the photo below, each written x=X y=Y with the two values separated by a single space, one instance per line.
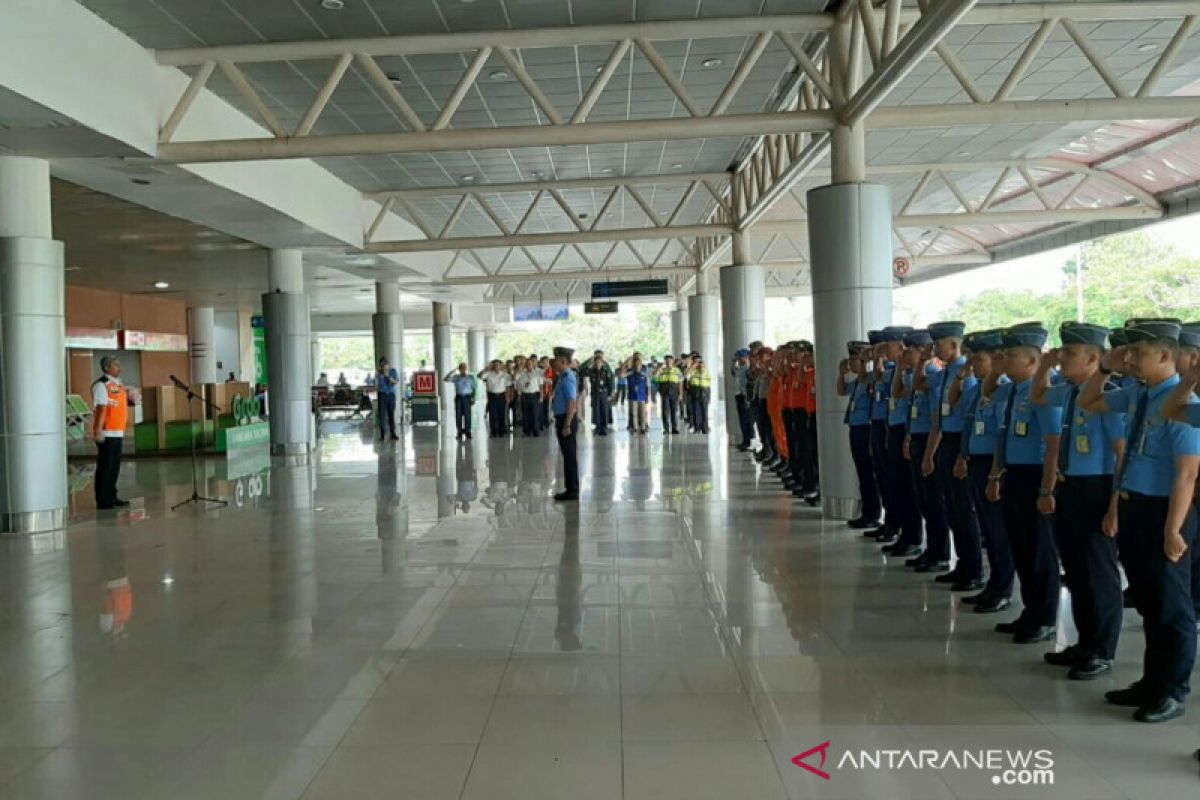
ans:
x=946 y=410
x=980 y=428
x=1021 y=428
x=879 y=397
x=891 y=404
x=914 y=412
x=1082 y=446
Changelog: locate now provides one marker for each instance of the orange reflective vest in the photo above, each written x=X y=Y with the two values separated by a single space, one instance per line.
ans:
x=116 y=413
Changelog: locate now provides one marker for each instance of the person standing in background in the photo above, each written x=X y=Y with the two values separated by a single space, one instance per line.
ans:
x=109 y=420
x=498 y=383
x=464 y=399
x=529 y=381
x=388 y=380
x=639 y=395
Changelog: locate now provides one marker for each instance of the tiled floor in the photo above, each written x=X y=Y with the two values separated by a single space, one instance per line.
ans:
x=422 y=622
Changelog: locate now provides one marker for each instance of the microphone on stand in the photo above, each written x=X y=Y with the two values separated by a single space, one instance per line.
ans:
x=179 y=383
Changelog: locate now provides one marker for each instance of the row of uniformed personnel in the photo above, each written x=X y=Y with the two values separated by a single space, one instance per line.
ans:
x=1062 y=465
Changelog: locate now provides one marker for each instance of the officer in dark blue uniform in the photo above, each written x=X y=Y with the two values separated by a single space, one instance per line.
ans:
x=1088 y=451
x=1153 y=518
x=908 y=532
x=945 y=444
x=879 y=382
x=919 y=353
x=1024 y=473
x=852 y=383
x=978 y=449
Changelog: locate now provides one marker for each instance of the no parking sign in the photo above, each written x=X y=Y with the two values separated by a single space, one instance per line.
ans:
x=901 y=266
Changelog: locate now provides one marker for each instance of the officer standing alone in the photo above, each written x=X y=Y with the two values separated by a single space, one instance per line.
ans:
x=111 y=415
x=565 y=405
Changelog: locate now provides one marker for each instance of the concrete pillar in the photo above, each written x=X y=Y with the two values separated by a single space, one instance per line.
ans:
x=681 y=340
x=387 y=324
x=289 y=355
x=850 y=247
x=315 y=348
x=704 y=325
x=489 y=346
x=743 y=316
x=443 y=359
x=33 y=449
x=202 y=344
x=476 y=350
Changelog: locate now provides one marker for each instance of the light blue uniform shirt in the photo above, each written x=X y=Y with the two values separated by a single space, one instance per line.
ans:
x=920 y=415
x=981 y=421
x=898 y=406
x=1193 y=415
x=386 y=387
x=883 y=391
x=1150 y=458
x=566 y=389
x=953 y=416
x=463 y=384
x=1025 y=432
x=860 y=403
x=1090 y=437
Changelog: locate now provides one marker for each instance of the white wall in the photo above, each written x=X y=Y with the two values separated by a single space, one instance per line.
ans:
x=228 y=345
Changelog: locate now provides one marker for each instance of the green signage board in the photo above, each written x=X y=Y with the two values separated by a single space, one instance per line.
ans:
x=242 y=437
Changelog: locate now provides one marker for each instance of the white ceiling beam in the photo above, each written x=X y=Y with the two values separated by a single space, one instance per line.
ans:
x=539 y=239
x=1033 y=217
x=612 y=273
x=561 y=185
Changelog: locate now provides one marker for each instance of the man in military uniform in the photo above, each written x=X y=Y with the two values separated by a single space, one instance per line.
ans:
x=601 y=383
x=564 y=405
x=852 y=383
x=914 y=386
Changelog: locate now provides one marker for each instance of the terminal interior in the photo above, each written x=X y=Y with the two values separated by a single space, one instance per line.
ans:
x=210 y=190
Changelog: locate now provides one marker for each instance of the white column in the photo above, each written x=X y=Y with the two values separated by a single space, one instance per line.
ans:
x=489 y=346
x=681 y=341
x=202 y=344
x=289 y=355
x=387 y=324
x=704 y=315
x=314 y=347
x=476 y=350
x=743 y=318
x=850 y=246
x=443 y=360
x=33 y=449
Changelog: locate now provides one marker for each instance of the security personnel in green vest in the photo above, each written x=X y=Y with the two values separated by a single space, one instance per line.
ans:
x=669 y=384
x=699 y=390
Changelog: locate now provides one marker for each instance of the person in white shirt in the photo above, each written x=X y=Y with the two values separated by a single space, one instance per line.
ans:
x=499 y=386
x=529 y=381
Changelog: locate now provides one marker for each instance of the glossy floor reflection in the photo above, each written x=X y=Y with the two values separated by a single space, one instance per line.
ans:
x=421 y=621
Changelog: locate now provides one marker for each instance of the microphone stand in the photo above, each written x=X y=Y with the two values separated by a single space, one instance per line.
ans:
x=196 y=496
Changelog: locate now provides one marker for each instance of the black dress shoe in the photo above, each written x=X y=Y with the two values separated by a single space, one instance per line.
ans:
x=975 y=599
x=565 y=497
x=969 y=585
x=811 y=499
x=1132 y=696
x=887 y=537
x=1161 y=710
x=1042 y=633
x=949 y=577
x=992 y=604
x=915 y=562
x=871 y=533
x=1069 y=657
x=119 y=503
x=932 y=566
x=902 y=551
x=1008 y=627
x=1090 y=668
x=861 y=523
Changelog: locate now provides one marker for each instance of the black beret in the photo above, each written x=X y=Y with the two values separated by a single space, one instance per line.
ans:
x=564 y=352
x=1118 y=338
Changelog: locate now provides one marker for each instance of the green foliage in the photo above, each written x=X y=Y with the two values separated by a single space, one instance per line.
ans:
x=1128 y=275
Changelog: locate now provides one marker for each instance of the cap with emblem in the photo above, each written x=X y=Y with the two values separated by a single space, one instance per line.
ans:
x=743 y=353
x=854 y=347
x=1072 y=332
x=947 y=330
x=1026 y=334
x=1146 y=330
x=895 y=333
x=988 y=341
x=875 y=337
x=564 y=352
x=1190 y=335
x=917 y=338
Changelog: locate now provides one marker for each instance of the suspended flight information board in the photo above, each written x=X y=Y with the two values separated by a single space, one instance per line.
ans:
x=614 y=290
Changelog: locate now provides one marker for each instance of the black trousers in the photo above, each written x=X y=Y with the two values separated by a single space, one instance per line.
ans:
x=546 y=415
x=808 y=452
x=462 y=412
x=108 y=469
x=1001 y=570
x=698 y=402
x=497 y=411
x=601 y=411
x=567 y=444
x=903 y=489
x=531 y=404
x=1032 y=537
x=1089 y=561
x=1162 y=592
x=387 y=413
x=879 y=435
x=791 y=430
x=930 y=501
x=669 y=400
x=766 y=434
x=745 y=420
x=860 y=451
x=960 y=510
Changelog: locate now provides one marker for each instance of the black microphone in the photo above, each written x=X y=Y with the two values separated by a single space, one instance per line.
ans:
x=179 y=383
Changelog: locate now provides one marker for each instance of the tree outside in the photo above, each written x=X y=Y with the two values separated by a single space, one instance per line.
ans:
x=1119 y=277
